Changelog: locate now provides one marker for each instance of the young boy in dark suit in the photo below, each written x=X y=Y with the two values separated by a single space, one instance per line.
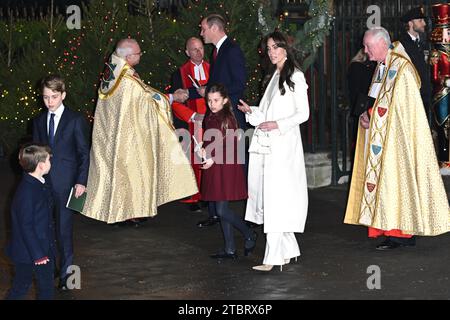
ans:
x=66 y=132
x=32 y=245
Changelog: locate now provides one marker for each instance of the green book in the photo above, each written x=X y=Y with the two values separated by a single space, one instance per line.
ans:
x=76 y=204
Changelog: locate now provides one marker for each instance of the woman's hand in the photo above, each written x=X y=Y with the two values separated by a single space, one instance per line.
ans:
x=268 y=126
x=244 y=107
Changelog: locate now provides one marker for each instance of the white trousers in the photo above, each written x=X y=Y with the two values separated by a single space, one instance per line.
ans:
x=280 y=246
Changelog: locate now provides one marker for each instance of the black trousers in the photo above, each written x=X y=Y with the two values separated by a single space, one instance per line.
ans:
x=23 y=279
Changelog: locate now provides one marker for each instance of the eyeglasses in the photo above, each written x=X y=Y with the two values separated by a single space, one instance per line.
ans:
x=139 y=53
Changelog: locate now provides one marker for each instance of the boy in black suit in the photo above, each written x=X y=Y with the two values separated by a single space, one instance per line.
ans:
x=32 y=245
x=66 y=132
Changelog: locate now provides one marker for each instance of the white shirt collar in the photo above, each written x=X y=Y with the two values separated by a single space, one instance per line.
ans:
x=58 y=113
x=41 y=179
x=414 y=38
x=221 y=41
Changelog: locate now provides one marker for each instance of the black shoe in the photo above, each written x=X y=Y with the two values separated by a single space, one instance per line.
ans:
x=251 y=224
x=125 y=223
x=208 y=222
x=224 y=255
x=404 y=242
x=136 y=222
x=194 y=207
x=387 y=244
x=62 y=285
x=250 y=243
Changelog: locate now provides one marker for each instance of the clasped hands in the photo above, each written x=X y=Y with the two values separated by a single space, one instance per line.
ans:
x=263 y=126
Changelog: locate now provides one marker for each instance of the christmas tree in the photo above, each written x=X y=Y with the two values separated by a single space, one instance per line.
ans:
x=34 y=48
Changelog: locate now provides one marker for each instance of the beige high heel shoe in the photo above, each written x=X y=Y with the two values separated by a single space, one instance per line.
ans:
x=265 y=267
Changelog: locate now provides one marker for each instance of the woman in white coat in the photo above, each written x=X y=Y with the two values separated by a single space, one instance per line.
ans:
x=277 y=188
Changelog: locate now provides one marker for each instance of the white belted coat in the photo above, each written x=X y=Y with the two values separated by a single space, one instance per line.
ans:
x=277 y=187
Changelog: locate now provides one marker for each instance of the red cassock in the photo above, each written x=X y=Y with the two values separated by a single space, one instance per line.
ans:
x=222 y=181
x=375 y=233
x=185 y=111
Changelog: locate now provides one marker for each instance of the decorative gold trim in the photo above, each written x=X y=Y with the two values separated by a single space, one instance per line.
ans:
x=104 y=96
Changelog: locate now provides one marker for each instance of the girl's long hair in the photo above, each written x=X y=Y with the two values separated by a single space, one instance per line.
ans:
x=289 y=65
x=226 y=115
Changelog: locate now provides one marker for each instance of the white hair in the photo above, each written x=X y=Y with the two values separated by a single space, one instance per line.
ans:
x=380 y=33
x=124 y=48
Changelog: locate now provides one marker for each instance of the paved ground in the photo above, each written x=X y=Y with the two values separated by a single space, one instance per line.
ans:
x=167 y=258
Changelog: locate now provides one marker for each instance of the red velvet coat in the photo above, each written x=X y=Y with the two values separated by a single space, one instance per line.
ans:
x=223 y=181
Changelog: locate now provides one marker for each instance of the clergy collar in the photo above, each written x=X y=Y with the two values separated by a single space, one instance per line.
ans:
x=195 y=63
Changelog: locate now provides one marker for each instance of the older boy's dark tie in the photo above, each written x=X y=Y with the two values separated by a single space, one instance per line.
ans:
x=214 y=54
x=51 y=129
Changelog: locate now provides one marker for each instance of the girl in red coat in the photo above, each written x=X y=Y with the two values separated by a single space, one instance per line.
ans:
x=223 y=177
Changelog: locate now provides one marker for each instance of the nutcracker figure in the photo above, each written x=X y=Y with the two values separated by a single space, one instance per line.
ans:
x=440 y=76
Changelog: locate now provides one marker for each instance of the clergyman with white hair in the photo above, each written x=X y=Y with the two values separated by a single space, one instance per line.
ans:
x=136 y=160
x=396 y=189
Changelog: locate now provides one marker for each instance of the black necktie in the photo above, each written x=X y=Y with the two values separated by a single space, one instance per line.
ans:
x=51 y=129
x=417 y=42
x=215 y=54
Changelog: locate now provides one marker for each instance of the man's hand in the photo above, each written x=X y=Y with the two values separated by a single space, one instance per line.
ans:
x=244 y=107
x=268 y=126
x=202 y=91
x=181 y=95
x=79 y=190
x=198 y=117
x=364 y=120
x=42 y=261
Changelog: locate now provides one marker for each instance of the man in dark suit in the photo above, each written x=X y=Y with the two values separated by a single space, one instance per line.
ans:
x=227 y=68
x=227 y=63
x=413 y=40
x=66 y=132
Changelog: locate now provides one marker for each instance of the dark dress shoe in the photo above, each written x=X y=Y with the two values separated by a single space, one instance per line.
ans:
x=405 y=242
x=136 y=222
x=62 y=285
x=194 y=207
x=208 y=222
x=387 y=244
x=224 y=255
x=250 y=243
x=251 y=224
